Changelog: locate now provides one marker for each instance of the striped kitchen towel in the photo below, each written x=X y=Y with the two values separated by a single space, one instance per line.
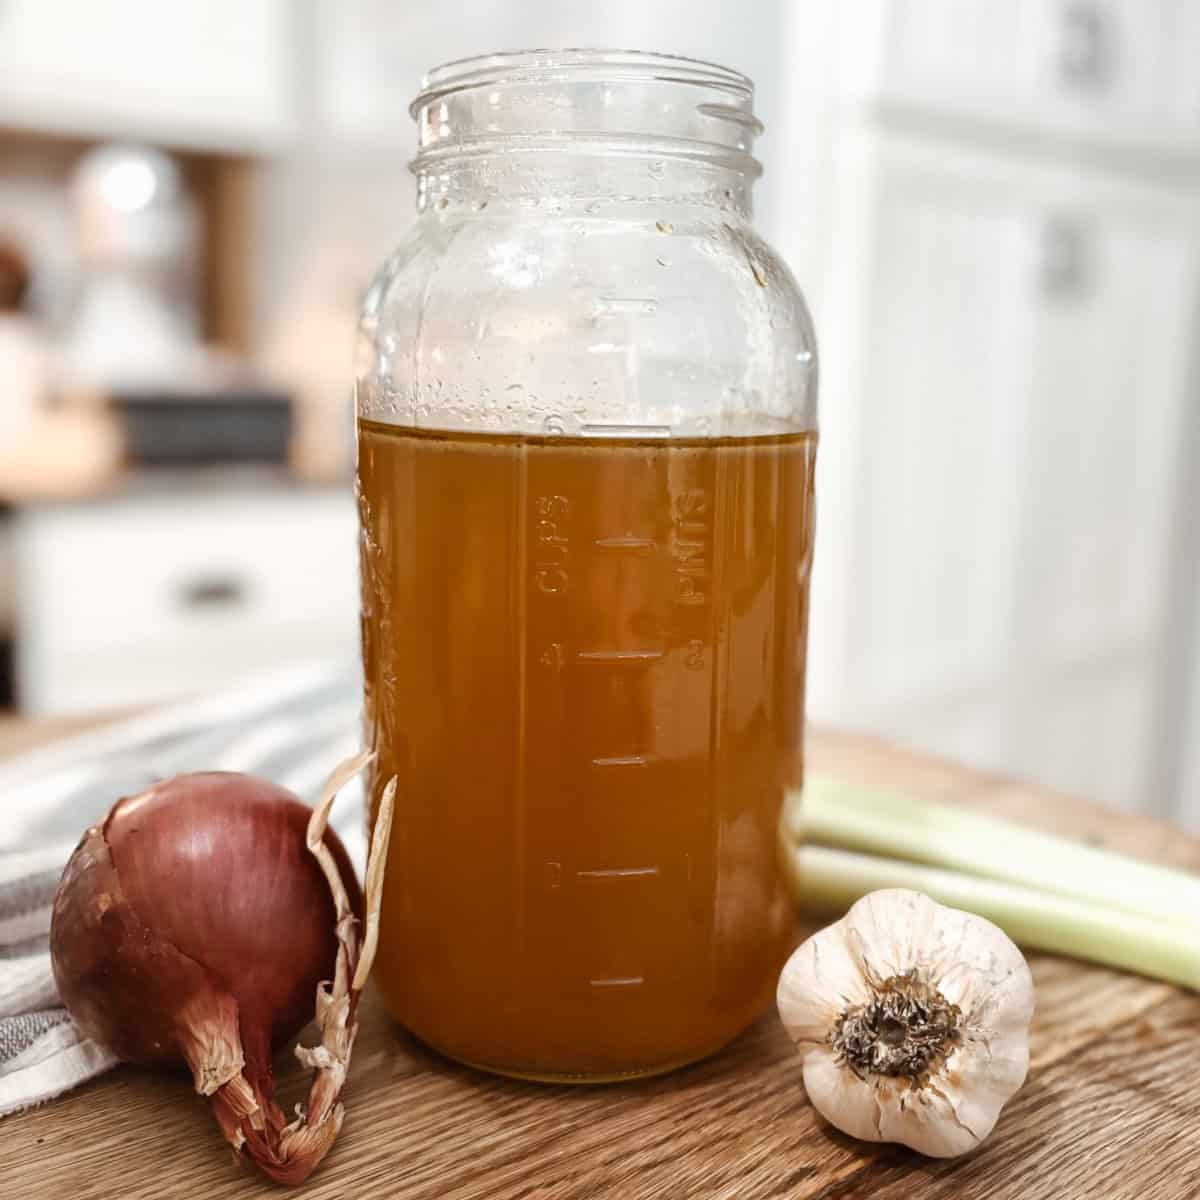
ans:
x=292 y=727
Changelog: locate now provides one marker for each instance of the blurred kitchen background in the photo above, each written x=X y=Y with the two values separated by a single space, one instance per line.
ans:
x=993 y=206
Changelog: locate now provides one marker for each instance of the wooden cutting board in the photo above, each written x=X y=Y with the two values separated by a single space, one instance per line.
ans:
x=1111 y=1110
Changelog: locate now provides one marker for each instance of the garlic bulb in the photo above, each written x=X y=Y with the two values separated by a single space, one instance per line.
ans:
x=913 y=1020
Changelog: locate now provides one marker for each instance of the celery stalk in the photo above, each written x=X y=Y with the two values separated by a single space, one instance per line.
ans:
x=833 y=813
x=827 y=880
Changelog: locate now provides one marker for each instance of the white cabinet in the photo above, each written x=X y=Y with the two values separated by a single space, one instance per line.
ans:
x=1112 y=71
x=1004 y=253
x=209 y=74
x=1005 y=390
x=137 y=598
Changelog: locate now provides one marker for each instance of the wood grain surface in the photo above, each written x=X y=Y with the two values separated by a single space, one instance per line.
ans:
x=1111 y=1110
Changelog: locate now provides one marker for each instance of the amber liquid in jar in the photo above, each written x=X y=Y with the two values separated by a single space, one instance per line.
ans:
x=584 y=663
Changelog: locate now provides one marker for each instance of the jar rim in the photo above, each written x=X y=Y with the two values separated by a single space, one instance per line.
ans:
x=547 y=64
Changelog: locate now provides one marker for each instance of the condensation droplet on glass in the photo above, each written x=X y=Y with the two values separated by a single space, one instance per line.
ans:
x=656 y=168
x=554 y=425
x=804 y=356
x=514 y=387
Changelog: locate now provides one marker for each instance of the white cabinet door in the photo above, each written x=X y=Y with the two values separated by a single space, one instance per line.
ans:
x=207 y=73
x=923 y=448
x=1008 y=459
x=1116 y=301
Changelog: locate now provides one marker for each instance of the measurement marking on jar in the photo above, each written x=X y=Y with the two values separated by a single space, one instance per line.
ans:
x=623 y=760
x=628 y=981
x=626 y=544
x=619 y=656
x=626 y=431
x=552 y=656
x=618 y=873
x=615 y=306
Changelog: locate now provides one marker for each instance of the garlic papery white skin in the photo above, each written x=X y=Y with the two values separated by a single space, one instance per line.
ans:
x=913 y=1022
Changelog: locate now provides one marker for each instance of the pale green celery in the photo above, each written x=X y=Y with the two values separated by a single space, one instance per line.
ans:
x=834 y=813
x=828 y=880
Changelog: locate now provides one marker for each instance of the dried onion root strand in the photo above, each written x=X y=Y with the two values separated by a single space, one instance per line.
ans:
x=245 y=1106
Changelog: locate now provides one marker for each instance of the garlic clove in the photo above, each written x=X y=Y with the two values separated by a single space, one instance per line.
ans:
x=845 y=1101
x=981 y=971
x=928 y=1121
x=826 y=975
x=913 y=1020
x=893 y=928
x=987 y=1079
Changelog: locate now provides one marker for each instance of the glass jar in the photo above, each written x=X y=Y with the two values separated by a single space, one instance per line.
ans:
x=586 y=399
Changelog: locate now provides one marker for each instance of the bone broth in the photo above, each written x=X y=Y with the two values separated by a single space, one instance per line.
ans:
x=584 y=663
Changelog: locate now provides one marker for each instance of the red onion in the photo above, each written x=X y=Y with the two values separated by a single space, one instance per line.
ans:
x=194 y=925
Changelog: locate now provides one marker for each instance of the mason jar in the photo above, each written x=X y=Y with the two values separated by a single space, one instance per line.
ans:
x=586 y=397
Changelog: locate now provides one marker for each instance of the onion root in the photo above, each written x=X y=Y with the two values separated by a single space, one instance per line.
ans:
x=243 y=1102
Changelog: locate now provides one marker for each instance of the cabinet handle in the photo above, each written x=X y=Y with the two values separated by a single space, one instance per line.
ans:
x=212 y=592
x=1086 y=49
x=1066 y=266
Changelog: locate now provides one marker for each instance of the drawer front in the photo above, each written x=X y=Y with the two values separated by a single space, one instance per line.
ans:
x=132 y=600
x=1121 y=69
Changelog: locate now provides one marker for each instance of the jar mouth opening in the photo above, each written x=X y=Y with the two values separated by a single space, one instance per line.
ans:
x=577 y=64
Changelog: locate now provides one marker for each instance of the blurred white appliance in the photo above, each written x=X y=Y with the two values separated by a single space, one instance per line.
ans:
x=133 y=322
x=132 y=346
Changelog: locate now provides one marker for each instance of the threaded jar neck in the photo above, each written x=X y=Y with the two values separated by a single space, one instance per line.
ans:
x=586 y=124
